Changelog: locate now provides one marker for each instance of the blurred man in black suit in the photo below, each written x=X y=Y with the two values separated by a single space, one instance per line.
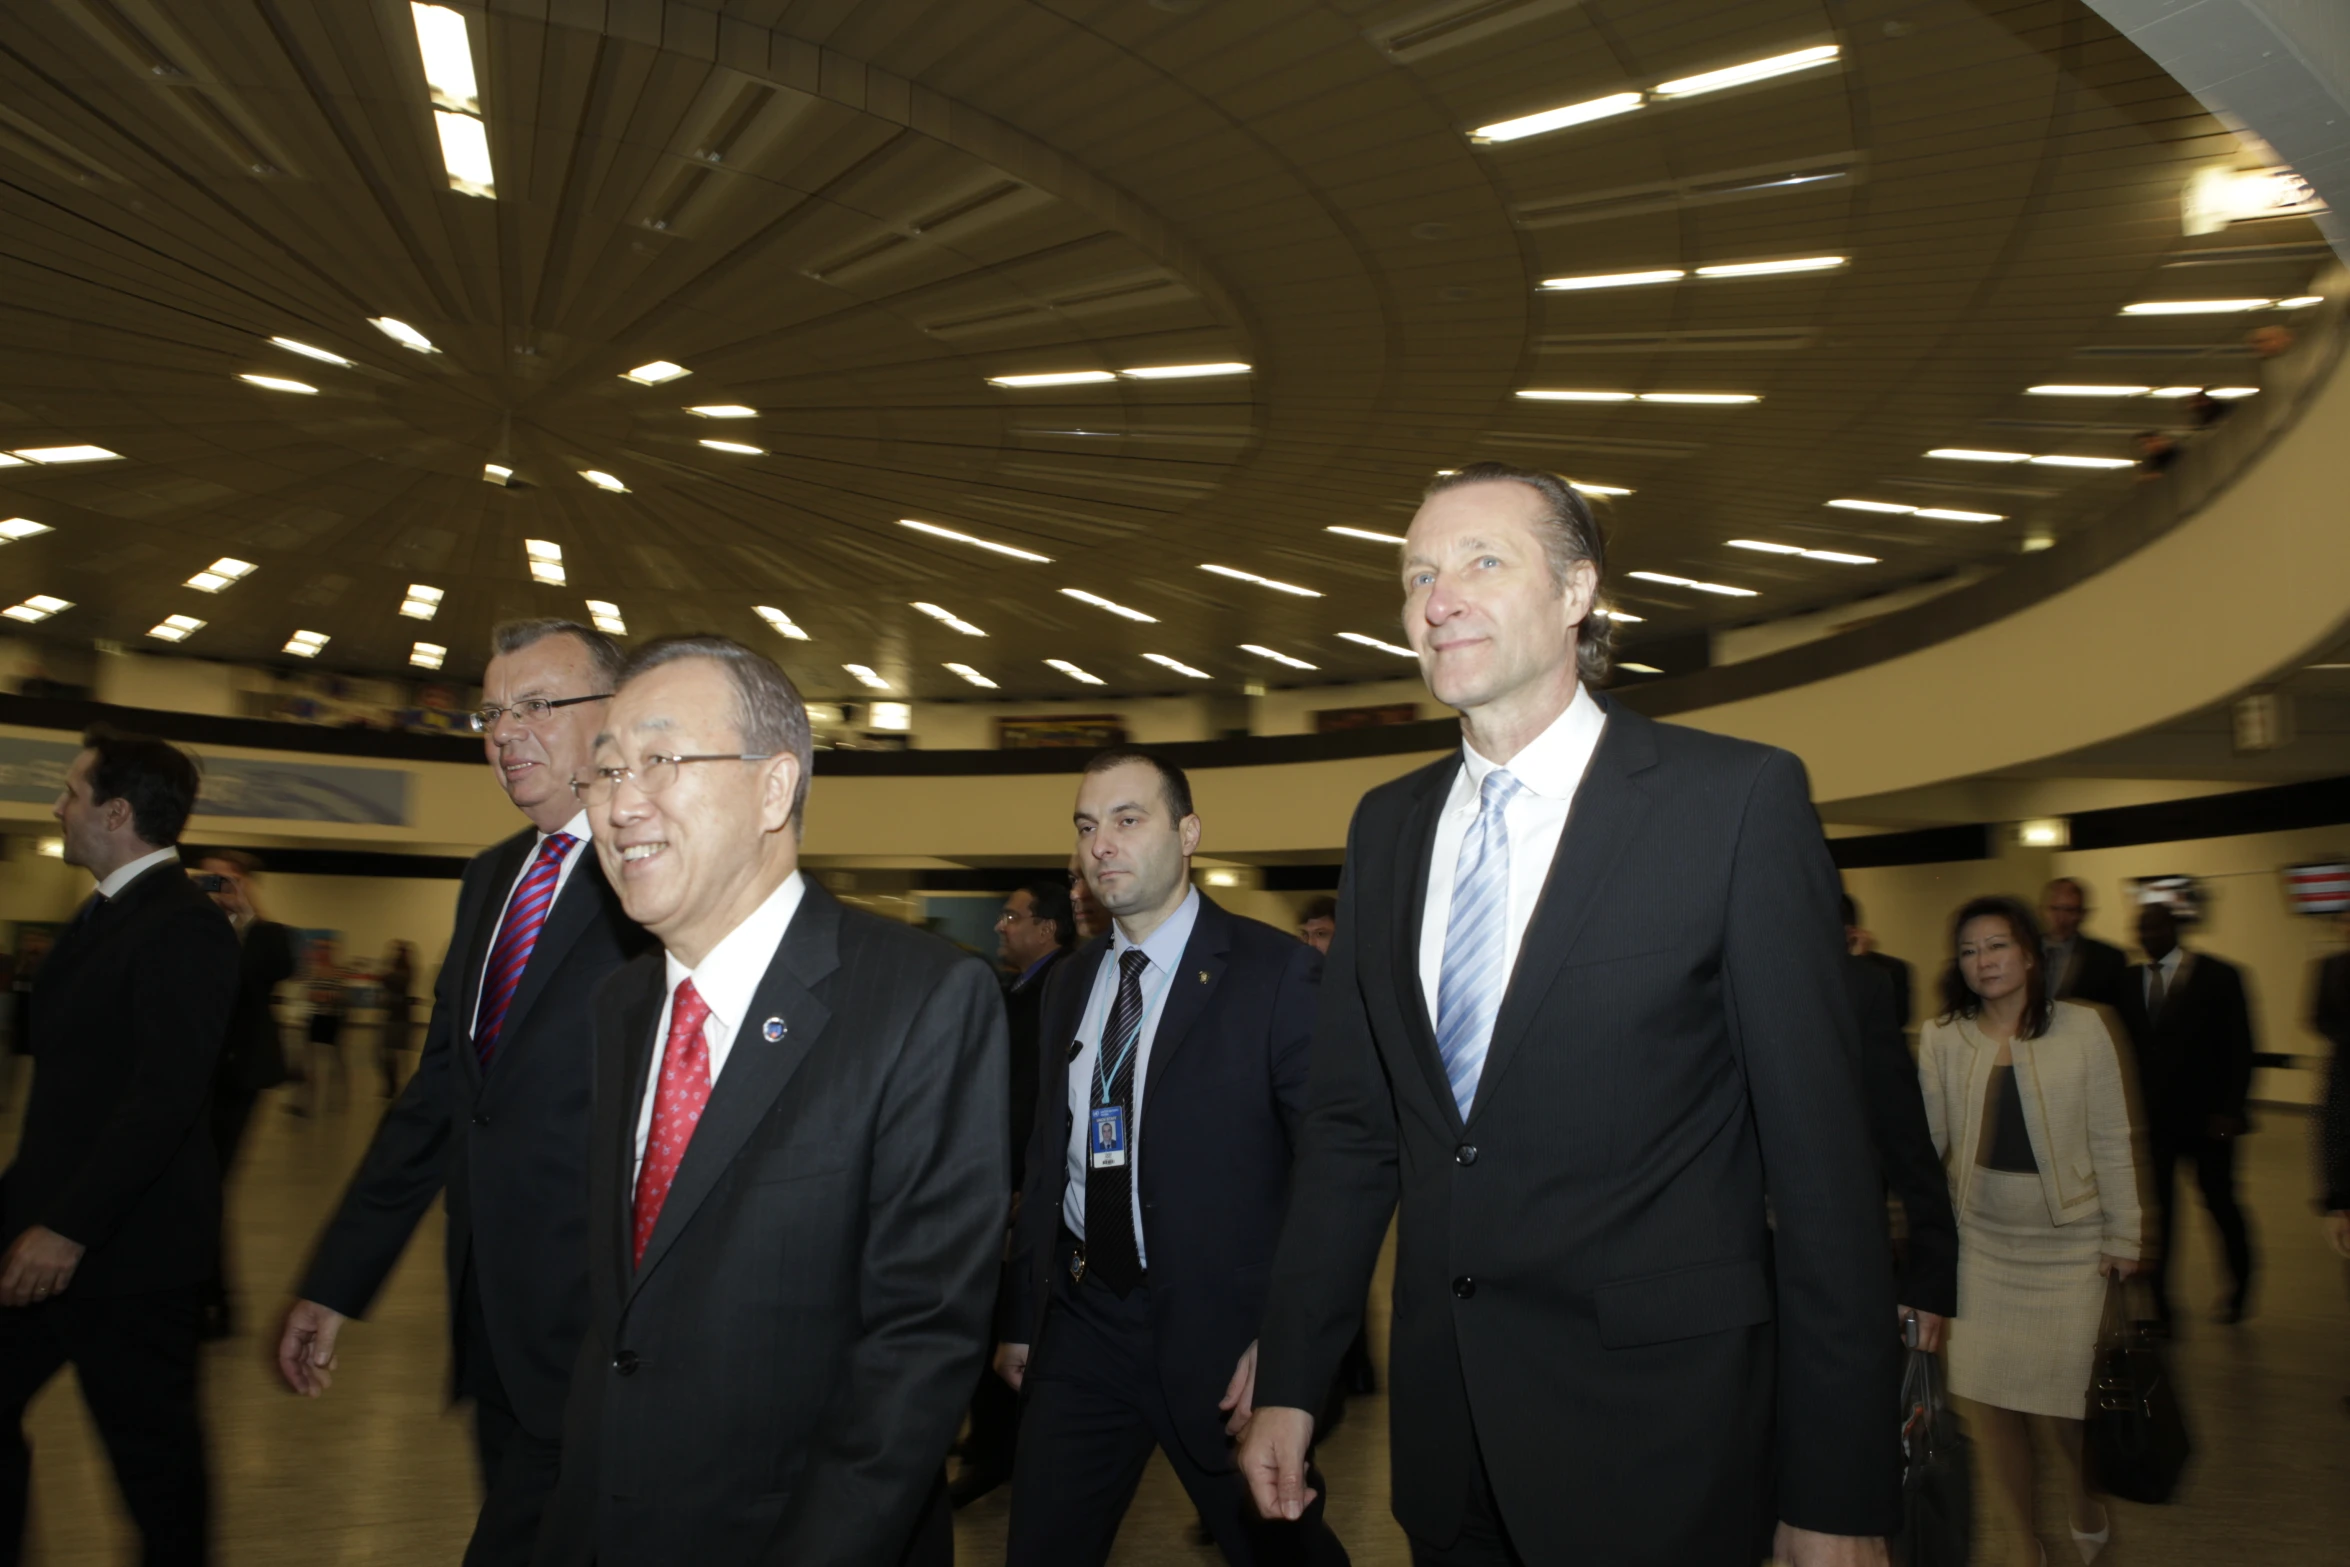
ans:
x=497 y=1111
x=1862 y=945
x=2329 y=1014
x=2192 y=1024
x=254 y=1057
x=1317 y=924
x=113 y=1203
x=796 y=1171
x=1034 y=932
x=2080 y=968
x=1928 y=1257
x=1172 y=1075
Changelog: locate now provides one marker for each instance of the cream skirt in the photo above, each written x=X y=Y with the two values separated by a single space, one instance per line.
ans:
x=2029 y=1300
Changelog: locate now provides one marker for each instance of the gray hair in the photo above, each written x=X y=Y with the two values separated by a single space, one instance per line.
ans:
x=1569 y=534
x=768 y=710
x=604 y=655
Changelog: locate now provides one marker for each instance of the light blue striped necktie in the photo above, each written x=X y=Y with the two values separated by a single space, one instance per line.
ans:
x=1469 y=990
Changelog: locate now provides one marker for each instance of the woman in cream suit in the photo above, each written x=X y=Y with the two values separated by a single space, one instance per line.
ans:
x=2025 y=1100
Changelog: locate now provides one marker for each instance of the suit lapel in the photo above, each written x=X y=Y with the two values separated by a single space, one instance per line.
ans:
x=1606 y=814
x=637 y=1015
x=756 y=1068
x=1198 y=973
x=1413 y=847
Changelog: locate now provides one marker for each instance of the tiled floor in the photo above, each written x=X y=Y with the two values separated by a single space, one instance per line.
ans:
x=379 y=1472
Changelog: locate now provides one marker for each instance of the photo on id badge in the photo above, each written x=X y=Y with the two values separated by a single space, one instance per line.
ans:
x=1106 y=1145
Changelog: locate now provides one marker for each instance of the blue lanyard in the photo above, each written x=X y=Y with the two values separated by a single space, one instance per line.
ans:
x=1104 y=1071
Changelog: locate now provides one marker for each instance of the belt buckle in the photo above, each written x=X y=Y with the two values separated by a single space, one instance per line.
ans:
x=1077 y=1263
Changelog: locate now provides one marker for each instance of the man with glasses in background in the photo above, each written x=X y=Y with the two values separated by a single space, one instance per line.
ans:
x=497 y=1111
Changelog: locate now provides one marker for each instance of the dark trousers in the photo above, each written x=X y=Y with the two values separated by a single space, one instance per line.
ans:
x=518 y=1466
x=232 y=1112
x=2215 y=1174
x=995 y=1426
x=135 y=1356
x=1093 y=1408
x=1482 y=1542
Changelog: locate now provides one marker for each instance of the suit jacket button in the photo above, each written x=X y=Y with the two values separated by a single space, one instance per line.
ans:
x=625 y=1362
x=1465 y=1287
x=1466 y=1153
x=480 y=1119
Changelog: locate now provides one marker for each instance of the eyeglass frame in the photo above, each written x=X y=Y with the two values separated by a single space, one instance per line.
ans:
x=610 y=776
x=485 y=718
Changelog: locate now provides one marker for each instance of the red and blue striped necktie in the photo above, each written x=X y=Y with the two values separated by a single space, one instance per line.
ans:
x=526 y=916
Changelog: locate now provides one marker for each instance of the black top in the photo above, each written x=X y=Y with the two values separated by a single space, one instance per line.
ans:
x=2009 y=1147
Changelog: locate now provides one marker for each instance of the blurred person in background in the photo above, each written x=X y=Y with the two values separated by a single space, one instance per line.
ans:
x=2156 y=451
x=2079 y=966
x=1317 y=924
x=397 y=987
x=2191 y=1025
x=1089 y=916
x=112 y=1206
x=1862 y=944
x=32 y=946
x=326 y=988
x=2330 y=1016
x=2026 y=1102
x=1926 y=1257
x=1317 y=927
x=254 y=1056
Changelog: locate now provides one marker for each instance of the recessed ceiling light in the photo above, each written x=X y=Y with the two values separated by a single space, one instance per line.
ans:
x=1640 y=669
x=422 y=602
x=2193 y=307
x=1568 y=285
x=14 y=528
x=223 y=573
x=1953 y=514
x=427 y=655
x=936 y=531
x=49 y=455
x=1178 y=666
x=1596 y=489
x=1053 y=378
x=973 y=675
x=1558 y=119
x=1185 y=372
x=1276 y=657
x=2231 y=393
x=606 y=617
x=542 y=549
x=1721 y=588
x=866 y=677
x=2068 y=389
x=10 y=460
x=655 y=373
x=1891 y=508
x=402 y=333
x=1098 y=602
x=550 y=572
x=309 y=352
x=1841 y=558
x=38 y=607
x=782 y=622
x=278 y=383
x=1370 y=534
x=948 y=619
x=2300 y=302
x=1384 y=647
x=1970 y=454
x=175 y=628
x=1073 y=672
x=2174 y=391
x=1544 y=395
x=417 y=590
x=603 y=481
x=465 y=153
x=1237 y=575
x=1751 y=71
x=1766 y=548
x=738 y=447
x=305 y=644
x=1619 y=615
x=442 y=40
x=1773 y=268
x=724 y=411
x=1700 y=397
x=496 y=472
x=2083 y=462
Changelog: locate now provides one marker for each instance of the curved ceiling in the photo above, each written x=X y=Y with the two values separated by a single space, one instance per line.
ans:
x=847 y=218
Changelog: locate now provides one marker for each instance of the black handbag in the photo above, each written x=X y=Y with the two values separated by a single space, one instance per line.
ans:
x=1937 y=1473
x=2137 y=1435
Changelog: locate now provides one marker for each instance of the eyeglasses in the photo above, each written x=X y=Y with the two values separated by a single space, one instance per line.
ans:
x=532 y=710
x=651 y=776
x=1007 y=916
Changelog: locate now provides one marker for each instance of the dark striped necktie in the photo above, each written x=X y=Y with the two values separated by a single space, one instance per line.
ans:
x=1112 y=1252
x=518 y=933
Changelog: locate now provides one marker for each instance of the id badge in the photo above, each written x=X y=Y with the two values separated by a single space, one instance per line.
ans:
x=1105 y=1143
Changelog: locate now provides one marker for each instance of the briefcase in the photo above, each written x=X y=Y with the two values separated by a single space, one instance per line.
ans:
x=2137 y=1437
x=1937 y=1473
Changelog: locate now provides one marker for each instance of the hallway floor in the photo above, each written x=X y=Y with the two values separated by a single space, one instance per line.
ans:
x=378 y=1473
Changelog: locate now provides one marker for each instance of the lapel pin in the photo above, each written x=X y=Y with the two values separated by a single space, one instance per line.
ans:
x=773 y=1029
x=1203 y=976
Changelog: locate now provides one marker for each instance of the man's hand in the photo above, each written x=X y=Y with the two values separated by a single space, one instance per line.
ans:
x=2124 y=1268
x=1011 y=1363
x=1801 y=1548
x=2338 y=1223
x=1240 y=1394
x=39 y=1264
x=1272 y=1458
x=306 y=1347
x=1931 y=1328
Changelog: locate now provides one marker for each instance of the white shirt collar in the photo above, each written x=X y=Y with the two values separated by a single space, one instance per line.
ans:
x=1553 y=762
x=577 y=827
x=1164 y=946
x=728 y=976
x=124 y=875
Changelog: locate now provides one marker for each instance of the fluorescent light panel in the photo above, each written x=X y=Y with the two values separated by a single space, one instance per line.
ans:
x=496 y=472
x=1237 y=575
x=50 y=456
x=1723 y=589
x=37 y=607
x=1275 y=656
x=1115 y=608
x=1551 y=395
x=278 y=383
x=1938 y=513
x=1766 y=547
x=1752 y=71
x=603 y=481
x=306 y=644
x=973 y=675
x=1073 y=672
x=447 y=50
x=935 y=531
x=1590 y=280
x=1185 y=372
x=1052 y=378
x=2071 y=389
x=654 y=374
x=782 y=622
x=14 y=528
x=1558 y=119
x=867 y=677
x=175 y=628
x=465 y=154
x=739 y=448
x=724 y=411
x=950 y=620
x=1734 y=269
x=427 y=655
x=402 y=333
x=1385 y=647
x=2194 y=307
x=1620 y=617
x=1371 y=535
x=1180 y=667
x=307 y=351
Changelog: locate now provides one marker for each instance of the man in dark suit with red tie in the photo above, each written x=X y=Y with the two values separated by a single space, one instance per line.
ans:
x=497 y=1111
x=796 y=1170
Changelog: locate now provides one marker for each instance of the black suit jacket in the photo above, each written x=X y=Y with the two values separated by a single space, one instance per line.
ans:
x=779 y=1381
x=1221 y=1104
x=1023 y=1016
x=1898 y=982
x=1905 y=1143
x=509 y=1146
x=2329 y=1014
x=254 y=1057
x=128 y=1015
x=1587 y=1293
x=2195 y=1055
x=2098 y=969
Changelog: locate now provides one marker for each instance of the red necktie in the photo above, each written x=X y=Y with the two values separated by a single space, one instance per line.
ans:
x=526 y=916
x=677 y=1108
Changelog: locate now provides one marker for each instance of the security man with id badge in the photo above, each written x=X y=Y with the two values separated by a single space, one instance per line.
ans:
x=1172 y=1080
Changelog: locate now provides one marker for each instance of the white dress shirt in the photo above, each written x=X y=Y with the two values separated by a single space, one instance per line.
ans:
x=727 y=980
x=578 y=828
x=124 y=875
x=1551 y=767
x=1164 y=951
